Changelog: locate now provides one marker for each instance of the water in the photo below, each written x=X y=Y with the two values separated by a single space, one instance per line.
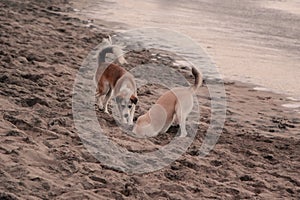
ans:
x=255 y=41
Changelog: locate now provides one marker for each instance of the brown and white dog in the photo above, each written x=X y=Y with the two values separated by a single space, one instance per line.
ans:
x=114 y=81
x=173 y=106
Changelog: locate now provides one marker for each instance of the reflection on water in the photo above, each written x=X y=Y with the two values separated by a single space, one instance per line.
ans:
x=250 y=41
x=292 y=6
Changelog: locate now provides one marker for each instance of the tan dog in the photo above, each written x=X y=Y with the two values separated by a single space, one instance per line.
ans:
x=174 y=105
x=116 y=82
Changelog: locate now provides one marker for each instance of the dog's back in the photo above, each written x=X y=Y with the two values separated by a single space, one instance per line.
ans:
x=111 y=74
x=109 y=71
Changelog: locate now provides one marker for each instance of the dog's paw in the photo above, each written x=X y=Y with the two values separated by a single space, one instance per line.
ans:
x=99 y=107
x=184 y=134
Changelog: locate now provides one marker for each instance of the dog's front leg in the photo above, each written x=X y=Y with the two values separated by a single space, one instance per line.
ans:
x=106 y=100
x=131 y=115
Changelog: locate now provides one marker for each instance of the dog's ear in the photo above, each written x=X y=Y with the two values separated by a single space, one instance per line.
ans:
x=134 y=99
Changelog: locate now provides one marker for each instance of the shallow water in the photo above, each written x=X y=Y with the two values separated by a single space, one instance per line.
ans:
x=250 y=41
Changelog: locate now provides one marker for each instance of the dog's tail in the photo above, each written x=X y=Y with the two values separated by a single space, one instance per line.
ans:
x=110 y=48
x=198 y=79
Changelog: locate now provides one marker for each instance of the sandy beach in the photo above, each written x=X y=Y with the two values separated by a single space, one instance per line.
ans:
x=42 y=46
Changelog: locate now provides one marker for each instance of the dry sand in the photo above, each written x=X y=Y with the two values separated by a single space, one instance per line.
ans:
x=42 y=156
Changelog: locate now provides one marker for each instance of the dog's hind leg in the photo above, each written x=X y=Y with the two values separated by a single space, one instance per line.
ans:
x=183 y=132
x=107 y=99
x=101 y=91
x=99 y=100
x=181 y=118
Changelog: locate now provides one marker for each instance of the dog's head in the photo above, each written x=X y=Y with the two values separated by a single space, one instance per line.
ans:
x=142 y=122
x=125 y=106
x=151 y=123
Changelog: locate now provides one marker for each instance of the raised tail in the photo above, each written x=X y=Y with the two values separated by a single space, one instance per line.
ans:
x=114 y=49
x=198 y=79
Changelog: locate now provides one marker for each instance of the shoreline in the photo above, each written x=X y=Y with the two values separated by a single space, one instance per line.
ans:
x=42 y=46
x=257 y=53
x=102 y=25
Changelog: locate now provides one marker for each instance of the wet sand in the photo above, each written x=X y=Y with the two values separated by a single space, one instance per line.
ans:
x=250 y=41
x=42 y=156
